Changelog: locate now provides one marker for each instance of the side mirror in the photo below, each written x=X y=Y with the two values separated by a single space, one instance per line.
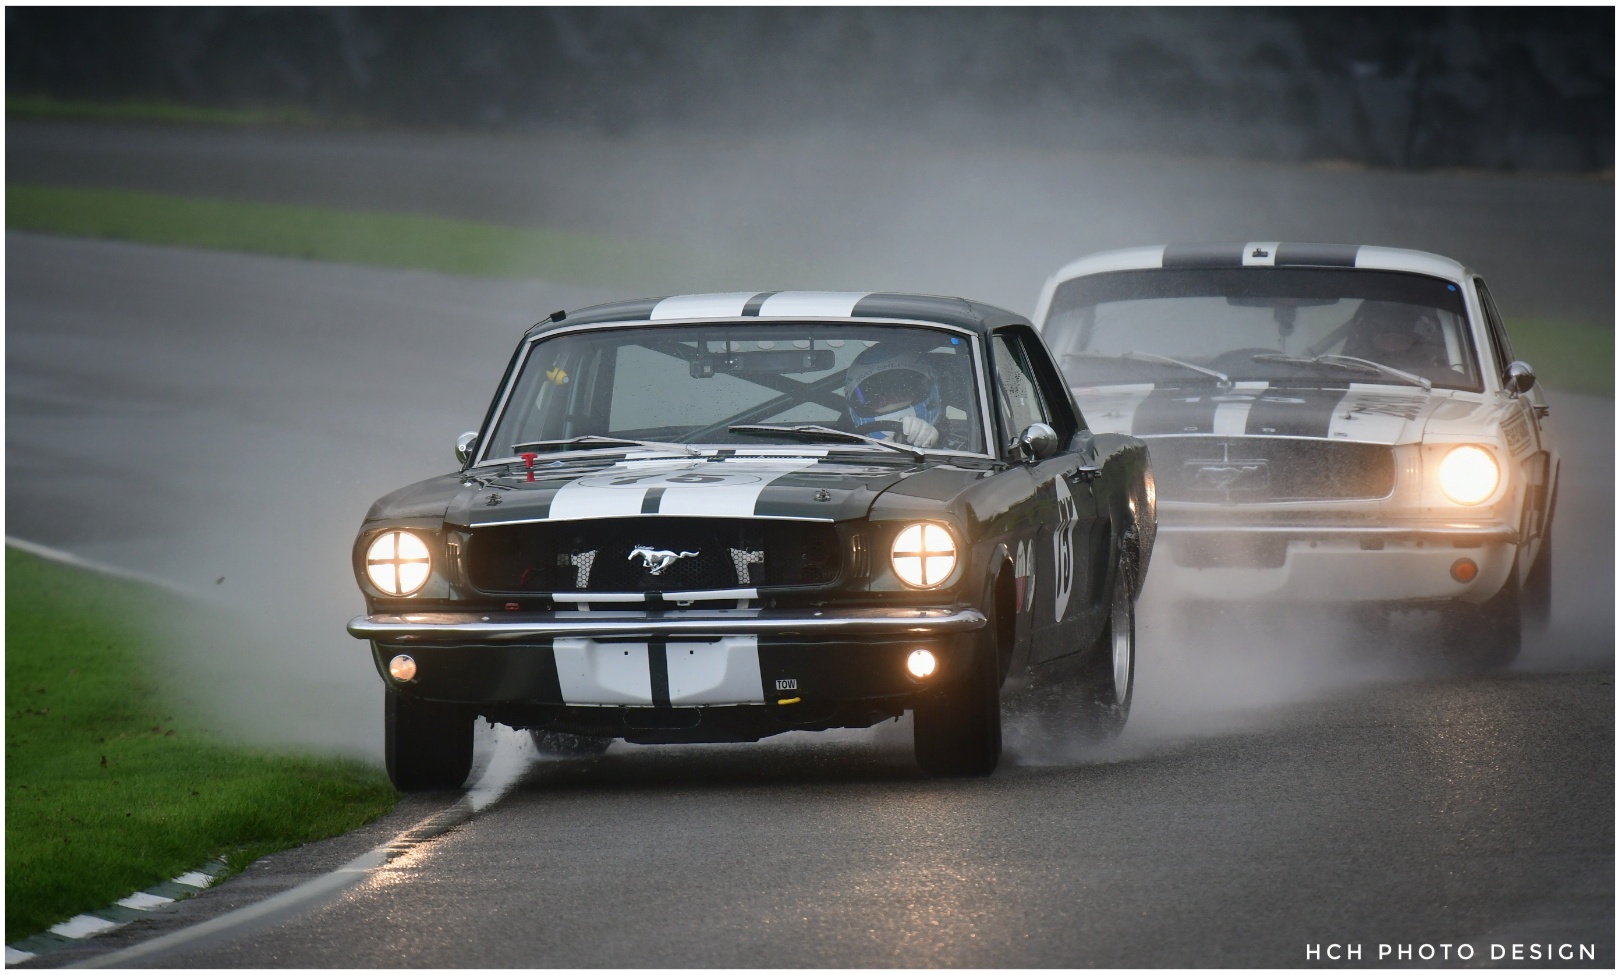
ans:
x=1520 y=377
x=1037 y=442
x=465 y=445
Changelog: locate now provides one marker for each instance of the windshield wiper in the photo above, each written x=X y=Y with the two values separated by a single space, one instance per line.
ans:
x=815 y=431
x=591 y=441
x=1347 y=362
x=1219 y=377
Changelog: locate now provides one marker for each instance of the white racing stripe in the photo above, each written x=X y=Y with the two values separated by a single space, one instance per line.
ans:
x=573 y=503
x=1232 y=410
x=728 y=488
x=728 y=305
x=602 y=673
x=724 y=672
x=811 y=304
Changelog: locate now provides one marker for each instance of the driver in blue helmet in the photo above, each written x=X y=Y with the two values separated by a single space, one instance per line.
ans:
x=892 y=393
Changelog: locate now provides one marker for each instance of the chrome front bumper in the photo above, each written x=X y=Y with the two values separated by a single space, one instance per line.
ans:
x=518 y=627
x=1325 y=563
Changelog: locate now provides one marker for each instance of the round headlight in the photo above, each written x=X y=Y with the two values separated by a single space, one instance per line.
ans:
x=1468 y=475
x=923 y=555
x=398 y=563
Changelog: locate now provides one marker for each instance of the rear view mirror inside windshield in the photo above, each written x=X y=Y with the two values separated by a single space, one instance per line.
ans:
x=780 y=362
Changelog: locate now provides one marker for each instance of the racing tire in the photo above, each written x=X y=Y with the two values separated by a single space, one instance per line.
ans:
x=1487 y=636
x=427 y=746
x=562 y=744
x=1108 y=679
x=956 y=729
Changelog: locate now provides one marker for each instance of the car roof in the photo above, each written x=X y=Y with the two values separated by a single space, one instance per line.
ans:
x=820 y=305
x=1254 y=254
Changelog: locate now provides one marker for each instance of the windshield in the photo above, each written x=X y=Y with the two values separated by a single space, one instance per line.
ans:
x=1267 y=324
x=690 y=384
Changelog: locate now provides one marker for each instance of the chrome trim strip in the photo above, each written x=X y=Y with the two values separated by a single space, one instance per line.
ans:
x=513 y=627
x=650 y=514
x=1481 y=533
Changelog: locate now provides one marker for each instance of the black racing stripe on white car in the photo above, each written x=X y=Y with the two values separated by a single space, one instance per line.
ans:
x=1317 y=255
x=649 y=503
x=928 y=308
x=1172 y=410
x=1203 y=255
x=658 y=667
x=751 y=308
x=1294 y=412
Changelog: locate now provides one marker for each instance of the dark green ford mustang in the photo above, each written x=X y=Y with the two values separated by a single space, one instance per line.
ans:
x=720 y=517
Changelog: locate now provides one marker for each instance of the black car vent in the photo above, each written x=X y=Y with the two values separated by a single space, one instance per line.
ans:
x=652 y=555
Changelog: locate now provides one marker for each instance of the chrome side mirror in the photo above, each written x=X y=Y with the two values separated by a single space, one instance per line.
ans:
x=1037 y=442
x=465 y=445
x=1520 y=377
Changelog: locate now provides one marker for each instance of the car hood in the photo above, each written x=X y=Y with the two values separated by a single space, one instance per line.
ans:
x=734 y=484
x=1355 y=412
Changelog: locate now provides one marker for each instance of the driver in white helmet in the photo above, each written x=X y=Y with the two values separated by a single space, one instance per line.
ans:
x=893 y=394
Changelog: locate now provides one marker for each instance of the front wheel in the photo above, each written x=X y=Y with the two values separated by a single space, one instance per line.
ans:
x=1487 y=636
x=426 y=745
x=1108 y=680
x=956 y=729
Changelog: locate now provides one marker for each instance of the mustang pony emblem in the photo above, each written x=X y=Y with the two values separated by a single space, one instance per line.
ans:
x=656 y=560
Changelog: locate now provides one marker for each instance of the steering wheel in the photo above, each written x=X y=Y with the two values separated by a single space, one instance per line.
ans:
x=881 y=426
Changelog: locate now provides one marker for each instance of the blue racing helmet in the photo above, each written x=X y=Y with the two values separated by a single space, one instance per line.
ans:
x=892 y=382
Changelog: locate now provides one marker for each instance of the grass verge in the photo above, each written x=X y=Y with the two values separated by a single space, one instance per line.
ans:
x=44 y=106
x=108 y=788
x=1577 y=358
x=367 y=237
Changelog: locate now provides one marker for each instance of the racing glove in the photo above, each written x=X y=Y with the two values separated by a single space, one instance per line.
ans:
x=919 y=432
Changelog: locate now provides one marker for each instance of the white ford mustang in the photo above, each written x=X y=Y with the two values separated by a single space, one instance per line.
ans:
x=1327 y=423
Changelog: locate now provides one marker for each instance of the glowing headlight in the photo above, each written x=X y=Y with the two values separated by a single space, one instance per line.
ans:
x=923 y=555
x=1468 y=475
x=398 y=563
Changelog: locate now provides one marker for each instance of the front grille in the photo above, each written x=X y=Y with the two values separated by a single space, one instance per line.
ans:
x=596 y=556
x=1256 y=470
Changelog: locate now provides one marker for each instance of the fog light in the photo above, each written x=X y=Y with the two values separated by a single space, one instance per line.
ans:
x=921 y=663
x=402 y=668
x=1464 y=570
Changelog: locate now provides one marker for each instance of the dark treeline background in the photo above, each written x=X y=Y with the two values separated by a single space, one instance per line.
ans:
x=1500 y=88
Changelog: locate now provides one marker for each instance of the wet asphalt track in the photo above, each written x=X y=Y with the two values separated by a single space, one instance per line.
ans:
x=209 y=416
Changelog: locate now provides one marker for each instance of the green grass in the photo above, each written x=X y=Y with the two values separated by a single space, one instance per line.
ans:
x=366 y=237
x=1577 y=358
x=109 y=788
x=44 y=106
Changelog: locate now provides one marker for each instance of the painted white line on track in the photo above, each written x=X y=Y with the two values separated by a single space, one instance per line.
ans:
x=142 y=901
x=13 y=956
x=68 y=558
x=506 y=765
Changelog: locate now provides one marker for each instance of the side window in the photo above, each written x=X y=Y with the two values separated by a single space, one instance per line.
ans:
x=1500 y=346
x=1060 y=406
x=1018 y=396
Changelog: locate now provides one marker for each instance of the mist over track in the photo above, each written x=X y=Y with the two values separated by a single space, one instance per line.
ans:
x=222 y=421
